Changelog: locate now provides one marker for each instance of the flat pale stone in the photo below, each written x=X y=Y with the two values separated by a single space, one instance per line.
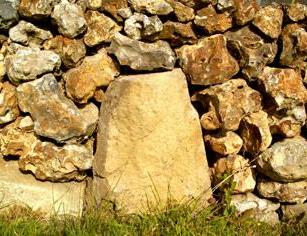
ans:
x=149 y=143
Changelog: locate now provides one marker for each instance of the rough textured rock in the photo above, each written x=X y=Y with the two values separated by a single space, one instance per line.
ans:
x=30 y=63
x=114 y=6
x=224 y=143
x=9 y=110
x=71 y=51
x=28 y=34
x=95 y=71
x=294 y=213
x=224 y=5
x=221 y=23
x=296 y=12
x=208 y=62
x=243 y=176
x=283 y=192
x=285 y=161
x=142 y=56
x=269 y=20
x=54 y=115
x=255 y=132
x=36 y=9
x=252 y=51
x=8 y=15
x=288 y=127
x=26 y=123
x=125 y=13
x=100 y=28
x=245 y=11
x=155 y=7
x=49 y=198
x=69 y=18
x=139 y=26
x=183 y=13
x=229 y=103
x=140 y=113
x=2 y=67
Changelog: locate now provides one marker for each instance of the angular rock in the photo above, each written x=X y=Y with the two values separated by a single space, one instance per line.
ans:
x=100 y=28
x=221 y=23
x=154 y=7
x=288 y=127
x=37 y=9
x=224 y=5
x=125 y=13
x=209 y=120
x=8 y=15
x=54 y=115
x=239 y=167
x=71 y=51
x=229 y=103
x=142 y=56
x=49 y=198
x=297 y=12
x=283 y=192
x=150 y=143
x=255 y=132
x=285 y=161
x=208 y=62
x=245 y=11
x=269 y=20
x=95 y=71
x=114 y=6
x=2 y=67
x=28 y=34
x=69 y=18
x=9 y=110
x=182 y=12
x=294 y=213
x=251 y=51
x=139 y=26
x=26 y=123
x=30 y=63
x=94 y=4
x=224 y=144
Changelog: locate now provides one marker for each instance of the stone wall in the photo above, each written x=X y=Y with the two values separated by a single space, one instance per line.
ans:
x=242 y=66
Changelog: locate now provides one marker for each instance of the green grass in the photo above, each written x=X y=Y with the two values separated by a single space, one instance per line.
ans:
x=180 y=220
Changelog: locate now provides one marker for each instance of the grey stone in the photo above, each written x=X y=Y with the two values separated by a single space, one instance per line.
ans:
x=8 y=14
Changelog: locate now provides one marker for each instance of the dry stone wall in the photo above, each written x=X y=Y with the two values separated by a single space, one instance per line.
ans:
x=141 y=65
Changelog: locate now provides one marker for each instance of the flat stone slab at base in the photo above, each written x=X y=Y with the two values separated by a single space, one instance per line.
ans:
x=18 y=189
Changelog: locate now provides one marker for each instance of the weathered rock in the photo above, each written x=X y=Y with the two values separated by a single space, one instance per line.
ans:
x=30 y=63
x=139 y=26
x=252 y=52
x=9 y=110
x=294 y=213
x=100 y=28
x=224 y=5
x=285 y=161
x=245 y=11
x=155 y=7
x=99 y=95
x=221 y=23
x=229 y=102
x=28 y=34
x=255 y=132
x=71 y=51
x=69 y=18
x=150 y=143
x=269 y=20
x=54 y=115
x=209 y=120
x=36 y=9
x=142 y=56
x=26 y=123
x=283 y=192
x=224 y=144
x=239 y=167
x=178 y=33
x=94 y=4
x=95 y=71
x=8 y=15
x=289 y=127
x=113 y=7
x=296 y=12
x=183 y=13
x=125 y=13
x=208 y=62
x=2 y=67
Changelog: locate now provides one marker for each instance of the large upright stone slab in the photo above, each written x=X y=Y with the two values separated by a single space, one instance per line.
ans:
x=149 y=145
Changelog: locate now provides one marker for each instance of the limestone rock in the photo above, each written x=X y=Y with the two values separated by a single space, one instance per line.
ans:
x=114 y=6
x=149 y=143
x=288 y=126
x=139 y=26
x=294 y=213
x=154 y=7
x=285 y=161
x=255 y=132
x=26 y=123
x=71 y=51
x=224 y=144
x=54 y=115
x=30 y=63
x=9 y=110
x=269 y=20
x=253 y=53
x=209 y=120
x=297 y=12
x=183 y=13
x=69 y=18
x=208 y=62
x=94 y=4
x=221 y=23
x=243 y=176
x=28 y=34
x=224 y=5
x=142 y=56
x=95 y=71
x=37 y=9
x=284 y=192
x=125 y=13
x=2 y=67
x=100 y=28
x=49 y=198
x=245 y=11
x=8 y=15
x=229 y=102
